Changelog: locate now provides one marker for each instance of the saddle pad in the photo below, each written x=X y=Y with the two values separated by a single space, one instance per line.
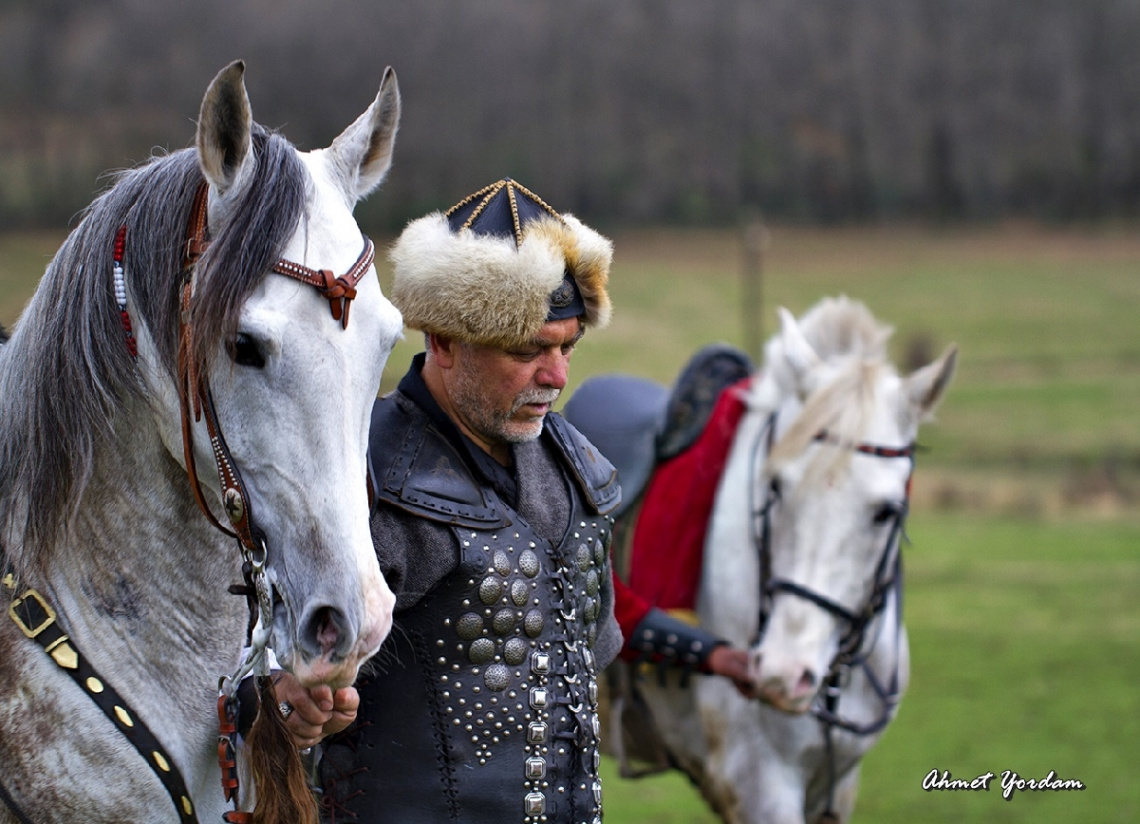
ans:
x=669 y=537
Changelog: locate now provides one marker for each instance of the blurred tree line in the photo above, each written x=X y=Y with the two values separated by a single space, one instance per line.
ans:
x=628 y=111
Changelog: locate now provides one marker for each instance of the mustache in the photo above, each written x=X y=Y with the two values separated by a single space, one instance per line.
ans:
x=536 y=396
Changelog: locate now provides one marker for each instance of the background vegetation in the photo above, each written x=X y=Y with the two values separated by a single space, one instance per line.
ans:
x=641 y=110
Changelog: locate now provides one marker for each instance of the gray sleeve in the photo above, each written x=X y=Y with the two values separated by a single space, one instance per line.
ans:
x=415 y=554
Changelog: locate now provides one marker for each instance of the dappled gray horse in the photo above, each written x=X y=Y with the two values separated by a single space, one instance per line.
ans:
x=197 y=365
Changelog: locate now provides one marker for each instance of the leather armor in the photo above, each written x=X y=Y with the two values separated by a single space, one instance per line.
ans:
x=482 y=707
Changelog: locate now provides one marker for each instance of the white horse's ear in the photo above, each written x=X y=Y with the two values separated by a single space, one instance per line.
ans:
x=362 y=153
x=223 y=138
x=798 y=353
x=925 y=387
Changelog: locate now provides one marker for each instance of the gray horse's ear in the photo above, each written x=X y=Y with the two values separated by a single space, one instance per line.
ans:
x=799 y=355
x=362 y=153
x=224 y=124
x=926 y=386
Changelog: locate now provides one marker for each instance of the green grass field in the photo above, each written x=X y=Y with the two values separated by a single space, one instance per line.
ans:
x=1023 y=582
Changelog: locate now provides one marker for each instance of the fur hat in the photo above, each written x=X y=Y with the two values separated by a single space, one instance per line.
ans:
x=498 y=265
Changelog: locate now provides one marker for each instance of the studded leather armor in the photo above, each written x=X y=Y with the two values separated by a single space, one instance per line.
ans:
x=482 y=706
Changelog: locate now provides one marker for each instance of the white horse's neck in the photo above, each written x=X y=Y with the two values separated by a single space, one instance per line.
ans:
x=150 y=609
x=729 y=597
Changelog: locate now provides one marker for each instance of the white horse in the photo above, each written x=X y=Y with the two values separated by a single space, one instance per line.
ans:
x=120 y=622
x=801 y=564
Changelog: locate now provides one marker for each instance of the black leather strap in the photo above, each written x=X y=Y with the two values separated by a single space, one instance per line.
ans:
x=10 y=803
x=31 y=612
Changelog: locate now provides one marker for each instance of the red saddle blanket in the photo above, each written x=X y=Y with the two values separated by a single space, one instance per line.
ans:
x=669 y=536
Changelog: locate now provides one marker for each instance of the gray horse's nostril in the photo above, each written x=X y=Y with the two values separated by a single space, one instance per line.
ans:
x=326 y=633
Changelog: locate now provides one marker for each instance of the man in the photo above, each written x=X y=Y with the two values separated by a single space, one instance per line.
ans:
x=491 y=524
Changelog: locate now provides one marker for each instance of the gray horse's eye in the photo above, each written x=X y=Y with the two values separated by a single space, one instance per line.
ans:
x=245 y=352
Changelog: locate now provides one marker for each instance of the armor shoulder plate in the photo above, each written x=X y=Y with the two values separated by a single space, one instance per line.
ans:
x=416 y=469
x=596 y=475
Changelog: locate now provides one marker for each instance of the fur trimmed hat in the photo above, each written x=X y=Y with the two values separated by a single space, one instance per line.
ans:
x=496 y=266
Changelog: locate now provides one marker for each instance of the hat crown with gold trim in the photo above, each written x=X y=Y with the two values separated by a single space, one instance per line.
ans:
x=497 y=266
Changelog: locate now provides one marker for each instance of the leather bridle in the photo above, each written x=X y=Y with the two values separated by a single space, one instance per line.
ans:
x=888 y=576
x=196 y=401
x=194 y=392
x=853 y=651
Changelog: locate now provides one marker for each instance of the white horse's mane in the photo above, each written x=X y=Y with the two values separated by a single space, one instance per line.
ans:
x=849 y=340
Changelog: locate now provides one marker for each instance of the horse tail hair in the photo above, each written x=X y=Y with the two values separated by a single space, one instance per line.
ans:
x=279 y=782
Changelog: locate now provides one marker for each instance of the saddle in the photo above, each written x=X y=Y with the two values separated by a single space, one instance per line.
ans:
x=638 y=423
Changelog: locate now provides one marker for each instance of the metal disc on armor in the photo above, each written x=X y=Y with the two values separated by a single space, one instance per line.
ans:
x=481 y=651
x=504 y=621
x=501 y=562
x=528 y=563
x=490 y=591
x=599 y=552
x=520 y=592
x=497 y=677
x=469 y=627
x=593 y=582
x=514 y=651
x=533 y=623
x=583 y=557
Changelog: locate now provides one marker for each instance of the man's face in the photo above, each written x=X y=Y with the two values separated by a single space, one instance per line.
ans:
x=503 y=396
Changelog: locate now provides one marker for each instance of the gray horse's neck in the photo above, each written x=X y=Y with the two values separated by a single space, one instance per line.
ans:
x=147 y=604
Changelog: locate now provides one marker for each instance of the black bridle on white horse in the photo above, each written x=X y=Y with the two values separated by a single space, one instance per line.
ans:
x=853 y=650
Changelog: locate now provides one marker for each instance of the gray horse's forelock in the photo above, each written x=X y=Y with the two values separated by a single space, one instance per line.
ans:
x=66 y=373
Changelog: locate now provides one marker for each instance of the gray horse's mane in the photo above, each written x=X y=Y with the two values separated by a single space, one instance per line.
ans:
x=845 y=333
x=66 y=372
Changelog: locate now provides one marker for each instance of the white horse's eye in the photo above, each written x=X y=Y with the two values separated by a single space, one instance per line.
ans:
x=775 y=488
x=246 y=352
x=886 y=512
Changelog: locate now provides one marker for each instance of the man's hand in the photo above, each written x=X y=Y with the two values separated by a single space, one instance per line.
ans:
x=317 y=712
x=732 y=663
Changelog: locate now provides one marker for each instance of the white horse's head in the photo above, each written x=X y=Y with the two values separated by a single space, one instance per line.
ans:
x=294 y=386
x=838 y=478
